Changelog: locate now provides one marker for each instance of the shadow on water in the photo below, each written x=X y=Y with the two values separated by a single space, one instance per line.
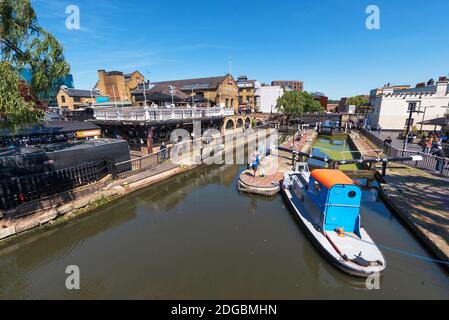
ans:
x=195 y=237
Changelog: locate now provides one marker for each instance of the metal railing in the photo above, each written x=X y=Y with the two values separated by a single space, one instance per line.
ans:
x=17 y=190
x=159 y=114
x=429 y=161
x=128 y=168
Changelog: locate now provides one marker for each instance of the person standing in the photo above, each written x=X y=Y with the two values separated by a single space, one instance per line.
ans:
x=440 y=159
x=163 y=151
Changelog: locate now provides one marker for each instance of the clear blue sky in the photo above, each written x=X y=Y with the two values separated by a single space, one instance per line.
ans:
x=324 y=43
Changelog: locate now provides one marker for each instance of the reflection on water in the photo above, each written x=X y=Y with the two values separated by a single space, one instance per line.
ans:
x=195 y=236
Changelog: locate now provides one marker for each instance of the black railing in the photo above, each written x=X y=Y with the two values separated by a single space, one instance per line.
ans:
x=17 y=190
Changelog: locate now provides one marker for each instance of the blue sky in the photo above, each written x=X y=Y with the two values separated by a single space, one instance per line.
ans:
x=324 y=43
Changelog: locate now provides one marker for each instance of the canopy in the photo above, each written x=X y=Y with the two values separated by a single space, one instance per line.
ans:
x=330 y=178
x=436 y=122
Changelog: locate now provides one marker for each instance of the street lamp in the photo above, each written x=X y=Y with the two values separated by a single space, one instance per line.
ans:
x=172 y=91
x=196 y=86
x=412 y=109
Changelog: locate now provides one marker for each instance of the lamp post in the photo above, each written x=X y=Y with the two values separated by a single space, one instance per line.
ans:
x=412 y=109
x=172 y=91
x=196 y=86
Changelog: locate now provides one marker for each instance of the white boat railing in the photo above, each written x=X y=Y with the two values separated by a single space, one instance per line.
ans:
x=156 y=114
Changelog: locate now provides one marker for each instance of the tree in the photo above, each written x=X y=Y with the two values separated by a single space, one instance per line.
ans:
x=24 y=44
x=17 y=105
x=295 y=103
x=358 y=101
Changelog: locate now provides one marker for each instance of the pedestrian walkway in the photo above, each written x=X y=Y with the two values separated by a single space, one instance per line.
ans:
x=422 y=201
x=397 y=143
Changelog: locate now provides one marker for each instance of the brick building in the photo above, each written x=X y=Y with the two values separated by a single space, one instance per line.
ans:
x=289 y=85
x=213 y=91
x=117 y=85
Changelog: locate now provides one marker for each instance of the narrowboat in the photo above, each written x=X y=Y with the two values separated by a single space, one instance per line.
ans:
x=327 y=203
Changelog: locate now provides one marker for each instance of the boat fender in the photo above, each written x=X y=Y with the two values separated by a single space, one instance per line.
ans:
x=340 y=232
x=379 y=262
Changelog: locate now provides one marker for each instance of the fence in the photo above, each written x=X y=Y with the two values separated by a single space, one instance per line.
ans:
x=131 y=167
x=159 y=114
x=429 y=161
x=17 y=190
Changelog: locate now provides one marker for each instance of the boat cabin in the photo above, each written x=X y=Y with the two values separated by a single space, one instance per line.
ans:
x=337 y=198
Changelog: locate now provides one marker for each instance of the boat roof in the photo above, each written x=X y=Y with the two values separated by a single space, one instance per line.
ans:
x=330 y=177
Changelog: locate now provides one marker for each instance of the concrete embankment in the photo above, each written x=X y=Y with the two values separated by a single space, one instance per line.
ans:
x=421 y=201
x=266 y=182
x=64 y=207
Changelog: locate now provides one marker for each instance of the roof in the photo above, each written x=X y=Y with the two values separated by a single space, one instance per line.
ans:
x=161 y=92
x=194 y=84
x=52 y=127
x=330 y=178
x=82 y=93
x=436 y=122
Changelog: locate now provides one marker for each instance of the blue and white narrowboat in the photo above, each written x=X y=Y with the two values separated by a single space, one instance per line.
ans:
x=327 y=203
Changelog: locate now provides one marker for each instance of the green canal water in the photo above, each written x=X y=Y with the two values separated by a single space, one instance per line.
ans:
x=337 y=148
x=196 y=237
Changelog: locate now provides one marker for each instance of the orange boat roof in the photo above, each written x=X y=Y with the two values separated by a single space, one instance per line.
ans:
x=330 y=178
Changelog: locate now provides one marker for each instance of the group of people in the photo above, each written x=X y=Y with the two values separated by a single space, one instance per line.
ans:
x=432 y=143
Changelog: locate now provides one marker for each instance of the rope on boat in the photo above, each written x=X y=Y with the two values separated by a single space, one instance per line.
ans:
x=401 y=251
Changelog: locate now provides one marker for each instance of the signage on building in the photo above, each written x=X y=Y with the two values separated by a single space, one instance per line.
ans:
x=88 y=133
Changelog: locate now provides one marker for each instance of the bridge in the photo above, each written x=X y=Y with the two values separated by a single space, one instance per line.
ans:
x=138 y=124
x=343 y=118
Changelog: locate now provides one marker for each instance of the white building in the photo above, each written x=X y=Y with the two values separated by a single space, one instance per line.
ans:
x=391 y=105
x=267 y=97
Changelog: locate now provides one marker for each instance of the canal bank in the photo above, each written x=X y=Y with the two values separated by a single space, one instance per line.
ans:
x=194 y=236
x=62 y=209
x=420 y=200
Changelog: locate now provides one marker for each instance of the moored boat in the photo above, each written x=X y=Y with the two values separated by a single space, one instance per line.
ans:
x=327 y=203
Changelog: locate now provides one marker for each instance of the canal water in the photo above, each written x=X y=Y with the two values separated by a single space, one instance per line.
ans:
x=336 y=148
x=196 y=237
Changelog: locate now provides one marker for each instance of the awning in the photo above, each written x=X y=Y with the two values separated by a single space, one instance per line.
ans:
x=436 y=122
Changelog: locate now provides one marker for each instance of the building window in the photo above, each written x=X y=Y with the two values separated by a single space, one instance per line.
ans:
x=63 y=99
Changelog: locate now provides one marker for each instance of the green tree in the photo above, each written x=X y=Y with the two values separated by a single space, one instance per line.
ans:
x=295 y=103
x=24 y=44
x=358 y=101
x=17 y=107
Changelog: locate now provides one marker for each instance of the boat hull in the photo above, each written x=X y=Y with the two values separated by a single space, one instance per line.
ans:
x=326 y=253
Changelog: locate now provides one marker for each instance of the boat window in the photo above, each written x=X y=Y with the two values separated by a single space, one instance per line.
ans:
x=352 y=194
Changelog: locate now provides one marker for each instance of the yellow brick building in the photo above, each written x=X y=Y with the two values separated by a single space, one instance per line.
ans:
x=117 y=85
x=71 y=99
x=213 y=91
